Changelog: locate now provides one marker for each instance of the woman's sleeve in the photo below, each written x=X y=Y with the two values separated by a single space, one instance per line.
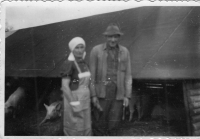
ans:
x=66 y=69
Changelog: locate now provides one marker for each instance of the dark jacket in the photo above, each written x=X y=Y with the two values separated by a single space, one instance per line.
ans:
x=98 y=69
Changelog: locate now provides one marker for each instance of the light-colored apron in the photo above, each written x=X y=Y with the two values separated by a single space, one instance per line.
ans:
x=77 y=116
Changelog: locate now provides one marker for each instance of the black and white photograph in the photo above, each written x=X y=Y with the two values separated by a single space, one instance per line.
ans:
x=100 y=69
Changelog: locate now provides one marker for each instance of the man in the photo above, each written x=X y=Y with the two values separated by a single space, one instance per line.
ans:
x=111 y=82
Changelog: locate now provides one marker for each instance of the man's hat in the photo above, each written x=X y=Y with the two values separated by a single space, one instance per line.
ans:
x=112 y=29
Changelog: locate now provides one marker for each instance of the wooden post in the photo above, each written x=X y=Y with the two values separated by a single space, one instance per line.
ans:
x=187 y=110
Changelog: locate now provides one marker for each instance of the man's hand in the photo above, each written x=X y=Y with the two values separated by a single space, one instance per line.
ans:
x=126 y=102
x=95 y=102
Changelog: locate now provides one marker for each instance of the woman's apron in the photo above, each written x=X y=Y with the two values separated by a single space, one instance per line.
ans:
x=77 y=115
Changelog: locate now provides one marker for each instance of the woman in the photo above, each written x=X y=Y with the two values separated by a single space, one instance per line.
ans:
x=75 y=80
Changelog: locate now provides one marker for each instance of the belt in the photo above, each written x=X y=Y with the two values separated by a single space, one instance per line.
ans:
x=108 y=82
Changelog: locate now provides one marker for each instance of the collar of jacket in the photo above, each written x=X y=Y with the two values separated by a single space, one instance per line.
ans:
x=111 y=48
x=105 y=47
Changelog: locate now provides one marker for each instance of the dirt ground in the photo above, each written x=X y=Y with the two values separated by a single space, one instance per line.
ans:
x=153 y=127
x=27 y=125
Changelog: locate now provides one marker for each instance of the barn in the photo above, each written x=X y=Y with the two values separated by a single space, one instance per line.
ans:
x=164 y=45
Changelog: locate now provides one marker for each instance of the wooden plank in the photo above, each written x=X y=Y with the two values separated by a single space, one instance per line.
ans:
x=194 y=92
x=195 y=111
x=197 y=85
x=196 y=126
x=196 y=119
x=195 y=105
x=194 y=98
x=196 y=133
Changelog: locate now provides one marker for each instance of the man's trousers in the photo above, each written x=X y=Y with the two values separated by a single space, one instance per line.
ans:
x=106 y=123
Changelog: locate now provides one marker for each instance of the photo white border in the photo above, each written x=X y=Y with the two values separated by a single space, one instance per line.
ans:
x=5 y=4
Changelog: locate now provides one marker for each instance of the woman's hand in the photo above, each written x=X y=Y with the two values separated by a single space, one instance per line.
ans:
x=126 y=102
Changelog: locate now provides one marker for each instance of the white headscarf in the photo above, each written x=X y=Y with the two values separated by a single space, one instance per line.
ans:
x=72 y=44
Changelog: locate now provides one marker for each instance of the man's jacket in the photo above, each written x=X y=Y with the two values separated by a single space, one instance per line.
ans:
x=98 y=69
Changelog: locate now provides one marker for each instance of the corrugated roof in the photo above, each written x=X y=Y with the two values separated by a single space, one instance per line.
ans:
x=163 y=43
